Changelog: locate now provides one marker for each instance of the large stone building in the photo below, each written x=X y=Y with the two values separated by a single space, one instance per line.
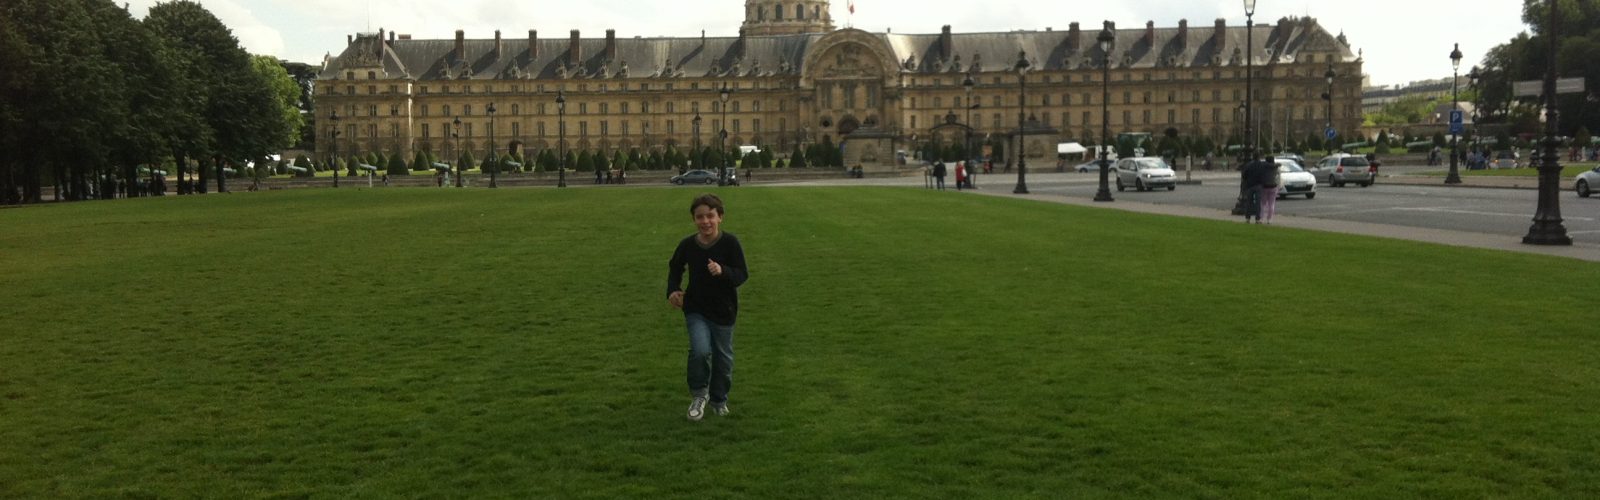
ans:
x=794 y=79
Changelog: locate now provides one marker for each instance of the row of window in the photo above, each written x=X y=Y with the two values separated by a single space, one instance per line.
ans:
x=582 y=127
x=1003 y=121
x=1087 y=98
x=1310 y=71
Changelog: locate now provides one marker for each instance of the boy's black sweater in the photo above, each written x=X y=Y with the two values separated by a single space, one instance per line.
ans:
x=715 y=297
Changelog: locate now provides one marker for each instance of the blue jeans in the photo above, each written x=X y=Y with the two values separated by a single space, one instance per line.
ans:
x=710 y=358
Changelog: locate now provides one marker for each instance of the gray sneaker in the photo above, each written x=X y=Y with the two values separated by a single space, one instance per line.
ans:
x=697 y=408
x=721 y=410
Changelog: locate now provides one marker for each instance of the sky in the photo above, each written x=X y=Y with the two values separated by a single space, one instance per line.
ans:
x=1401 y=40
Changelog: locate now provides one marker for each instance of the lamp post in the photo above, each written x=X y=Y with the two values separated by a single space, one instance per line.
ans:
x=333 y=149
x=1472 y=135
x=967 y=84
x=1022 y=118
x=496 y=162
x=1547 y=228
x=1455 y=105
x=1329 y=97
x=459 y=169
x=699 y=154
x=1247 y=153
x=1107 y=40
x=561 y=137
x=722 y=139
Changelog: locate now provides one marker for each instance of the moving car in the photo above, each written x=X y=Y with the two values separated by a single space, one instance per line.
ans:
x=695 y=177
x=1293 y=180
x=1089 y=166
x=1341 y=168
x=1587 y=182
x=1144 y=173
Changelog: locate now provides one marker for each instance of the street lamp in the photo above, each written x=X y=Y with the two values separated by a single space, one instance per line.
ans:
x=699 y=153
x=561 y=137
x=1022 y=118
x=1329 y=97
x=966 y=144
x=333 y=149
x=722 y=140
x=1247 y=153
x=1107 y=39
x=1547 y=228
x=1455 y=106
x=459 y=170
x=496 y=162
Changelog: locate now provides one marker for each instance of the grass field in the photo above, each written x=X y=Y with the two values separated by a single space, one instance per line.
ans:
x=892 y=343
x=1567 y=171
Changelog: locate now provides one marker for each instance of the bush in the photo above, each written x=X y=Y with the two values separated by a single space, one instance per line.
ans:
x=397 y=166
x=419 y=162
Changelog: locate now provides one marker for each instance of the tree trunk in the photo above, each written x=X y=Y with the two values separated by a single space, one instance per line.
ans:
x=221 y=177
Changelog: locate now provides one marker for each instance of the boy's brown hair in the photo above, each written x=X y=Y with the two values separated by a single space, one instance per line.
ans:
x=709 y=200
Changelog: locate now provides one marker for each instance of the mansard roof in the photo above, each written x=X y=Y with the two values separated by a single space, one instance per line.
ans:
x=783 y=55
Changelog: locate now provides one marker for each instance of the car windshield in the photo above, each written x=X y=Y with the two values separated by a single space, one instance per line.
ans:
x=1151 y=163
x=1289 y=166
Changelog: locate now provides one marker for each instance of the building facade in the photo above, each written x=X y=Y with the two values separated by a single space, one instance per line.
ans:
x=793 y=79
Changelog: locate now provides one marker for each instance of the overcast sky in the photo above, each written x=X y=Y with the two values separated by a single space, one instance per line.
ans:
x=1402 y=40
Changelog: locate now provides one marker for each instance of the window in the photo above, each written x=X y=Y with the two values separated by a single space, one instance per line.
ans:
x=913 y=121
x=1216 y=115
x=1127 y=97
x=516 y=129
x=1087 y=100
x=1147 y=98
x=1066 y=119
x=583 y=128
x=349 y=75
x=425 y=131
x=350 y=90
x=466 y=110
x=583 y=108
x=1044 y=100
x=670 y=107
x=671 y=129
x=1194 y=116
x=644 y=108
x=394 y=89
x=1087 y=118
x=756 y=123
x=736 y=106
x=997 y=103
x=736 y=126
x=624 y=108
x=1066 y=100
x=423 y=110
x=372 y=110
x=913 y=103
x=1127 y=117
x=516 y=110
x=468 y=126
x=1172 y=97
x=394 y=110
x=372 y=75
x=541 y=109
x=1147 y=117
x=539 y=127
x=755 y=106
x=624 y=128
x=605 y=108
x=938 y=102
x=605 y=128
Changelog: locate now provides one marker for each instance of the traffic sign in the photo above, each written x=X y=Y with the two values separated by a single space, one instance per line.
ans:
x=1456 y=122
x=1330 y=133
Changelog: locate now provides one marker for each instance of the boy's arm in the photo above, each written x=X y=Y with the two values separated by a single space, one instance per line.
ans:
x=675 y=271
x=734 y=270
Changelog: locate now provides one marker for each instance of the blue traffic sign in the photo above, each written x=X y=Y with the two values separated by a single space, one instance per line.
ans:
x=1330 y=133
x=1456 y=122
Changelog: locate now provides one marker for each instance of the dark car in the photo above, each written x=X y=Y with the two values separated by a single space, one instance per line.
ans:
x=695 y=177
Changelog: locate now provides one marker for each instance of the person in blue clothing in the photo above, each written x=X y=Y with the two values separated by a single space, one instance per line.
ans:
x=716 y=266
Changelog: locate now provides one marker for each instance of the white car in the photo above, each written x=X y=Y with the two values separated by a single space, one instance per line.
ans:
x=1293 y=180
x=1144 y=173
x=1587 y=182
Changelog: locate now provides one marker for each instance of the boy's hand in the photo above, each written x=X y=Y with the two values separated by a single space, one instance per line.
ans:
x=714 y=267
x=676 y=299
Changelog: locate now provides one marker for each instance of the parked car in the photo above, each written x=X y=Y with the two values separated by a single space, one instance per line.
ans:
x=1089 y=166
x=1586 y=182
x=695 y=177
x=1145 y=173
x=1341 y=168
x=1293 y=180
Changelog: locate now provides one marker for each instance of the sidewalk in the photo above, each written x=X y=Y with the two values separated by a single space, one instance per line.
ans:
x=1439 y=236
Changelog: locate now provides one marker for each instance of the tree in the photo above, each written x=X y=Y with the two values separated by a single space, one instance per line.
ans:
x=419 y=162
x=797 y=159
x=466 y=162
x=397 y=166
x=288 y=94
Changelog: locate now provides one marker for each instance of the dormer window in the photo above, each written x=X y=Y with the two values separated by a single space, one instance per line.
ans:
x=372 y=75
x=349 y=75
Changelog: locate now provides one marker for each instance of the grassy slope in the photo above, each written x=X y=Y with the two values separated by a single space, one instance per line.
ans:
x=893 y=343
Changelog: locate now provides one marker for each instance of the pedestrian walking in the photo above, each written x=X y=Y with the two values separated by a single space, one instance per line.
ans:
x=716 y=265
x=961 y=176
x=1268 y=190
x=938 y=175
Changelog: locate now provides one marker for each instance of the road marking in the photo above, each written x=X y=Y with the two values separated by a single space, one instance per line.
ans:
x=1475 y=212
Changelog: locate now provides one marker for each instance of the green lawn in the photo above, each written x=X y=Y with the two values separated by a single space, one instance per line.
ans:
x=893 y=343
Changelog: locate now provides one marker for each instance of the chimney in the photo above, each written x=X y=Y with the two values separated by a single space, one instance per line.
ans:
x=946 y=45
x=379 y=48
x=498 y=48
x=461 y=44
x=574 y=51
x=1150 y=32
x=349 y=40
x=533 y=44
x=1221 y=33
x=1183 y=31
x=405 y=37
x=1073 y=31
x=611 y=45
x=391 y=38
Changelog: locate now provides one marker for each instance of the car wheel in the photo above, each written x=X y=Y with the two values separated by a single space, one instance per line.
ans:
x=1311 y=195
x=1121 y=187
x=678 y=181
x=709 y=182
x=1582 y=188
x=1170 y=188
x=1138 y=185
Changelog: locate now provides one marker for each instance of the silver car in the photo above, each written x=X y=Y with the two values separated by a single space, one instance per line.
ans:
x=1144 y=173
x=1340 y=169
x=1587 y=182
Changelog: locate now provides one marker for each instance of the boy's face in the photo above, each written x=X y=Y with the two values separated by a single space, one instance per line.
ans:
x=707 y=221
